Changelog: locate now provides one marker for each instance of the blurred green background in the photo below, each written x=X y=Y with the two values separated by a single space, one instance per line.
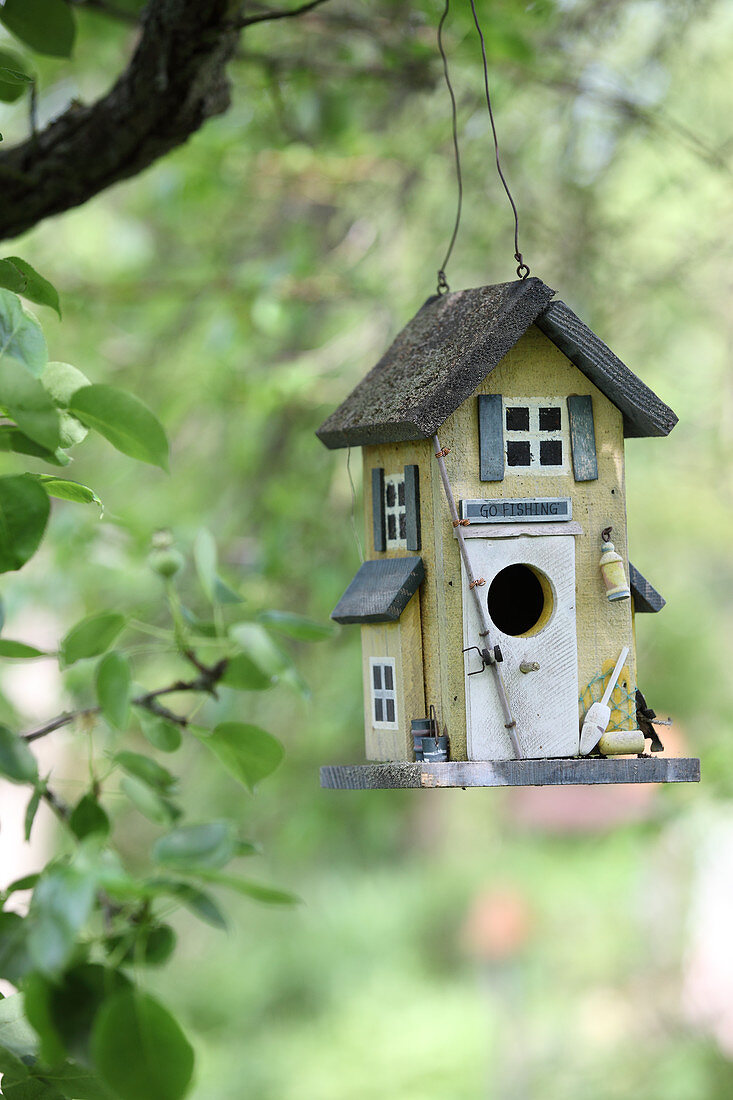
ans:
x=482 y=944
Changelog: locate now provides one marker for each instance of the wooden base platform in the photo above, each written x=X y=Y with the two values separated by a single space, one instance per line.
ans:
x=513 y=773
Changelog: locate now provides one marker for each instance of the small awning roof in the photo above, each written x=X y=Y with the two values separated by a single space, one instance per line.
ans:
x=380 y=591
x=645 y=596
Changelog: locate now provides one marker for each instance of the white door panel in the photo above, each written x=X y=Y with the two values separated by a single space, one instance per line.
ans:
x=544 y=702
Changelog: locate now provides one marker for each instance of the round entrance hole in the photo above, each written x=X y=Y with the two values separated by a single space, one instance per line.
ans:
x=520 y=600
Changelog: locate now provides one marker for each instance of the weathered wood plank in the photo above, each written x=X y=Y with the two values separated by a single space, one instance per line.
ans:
x=379 y=531
x=513 y=773
x=582 y=437
x=412 y=507
x=643 y=412
x=645 y=596
x=380 y=591
x=491 y=436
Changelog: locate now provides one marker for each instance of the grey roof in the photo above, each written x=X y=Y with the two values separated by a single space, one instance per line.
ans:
x=645 y=596
x=380 y=591
x=643 y=412
x=453 y=343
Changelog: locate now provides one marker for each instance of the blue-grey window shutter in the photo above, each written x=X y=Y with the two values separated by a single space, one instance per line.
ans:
x=491 y=436
x=583 y=437
x=380 y=538
x=412 y=507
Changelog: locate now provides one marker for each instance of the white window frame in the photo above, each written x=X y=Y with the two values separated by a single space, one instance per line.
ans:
x=534 y=436
x=382 y=692
x=396 y=510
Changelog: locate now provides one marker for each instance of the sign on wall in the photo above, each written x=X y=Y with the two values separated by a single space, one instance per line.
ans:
x=524 y=510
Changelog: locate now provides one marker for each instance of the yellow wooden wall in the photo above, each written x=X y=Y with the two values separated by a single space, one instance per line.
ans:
x=534 y=368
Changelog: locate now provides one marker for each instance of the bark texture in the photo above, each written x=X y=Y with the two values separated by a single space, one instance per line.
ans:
x=175 y=81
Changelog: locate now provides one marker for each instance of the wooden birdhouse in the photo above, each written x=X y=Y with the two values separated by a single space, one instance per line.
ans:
x=497 y=600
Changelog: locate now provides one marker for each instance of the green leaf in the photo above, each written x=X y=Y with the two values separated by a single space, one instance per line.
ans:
x=20 y=334
x=12 y=439
x=139 y=1049
x=149 y=802
x=88 y=818
x=16 y=1034
x=24 y=509
x=27 y=882
x=15 y=960
x=91 y=636
x=213 y=844
x=224 y=594
x=124 y=421
x=296 y=626
x=144 y=946
x=19 y=650
x=27 y=403
x=113 y=682
x=74 y=491
x=269 y=895
x=205 y=559
x=36 y=288
x=17 y=762
x=32 y=810
x=161 y=733
x=14 y=77
x=259 y=647
x=63 y=1012
x=244 y=675
x=14 y=81
x=199 y=903
x=10 y=276
x=146 y=770
x=61 y=381
x=249 y=753
x=60 y=907
x=47 y=26
x=36 y=998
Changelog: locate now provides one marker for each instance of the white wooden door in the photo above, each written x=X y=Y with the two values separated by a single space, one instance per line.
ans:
x=530 y=594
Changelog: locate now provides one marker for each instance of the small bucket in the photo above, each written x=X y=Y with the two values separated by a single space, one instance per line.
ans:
x=435 y=749
x=420 y=728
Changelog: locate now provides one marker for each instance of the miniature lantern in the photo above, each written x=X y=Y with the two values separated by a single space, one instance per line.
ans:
x=493 y=443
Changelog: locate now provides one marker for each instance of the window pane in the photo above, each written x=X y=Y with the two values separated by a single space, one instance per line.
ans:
x=390 y=709
x=377 y=676
x=391 y=526
x=401 y=493
x=517 y=454
x=388 y=680
x=378 y=710
x=517 y=420
x=403 y=525
x=551 y=452
x=389 y=494
x=550 y=420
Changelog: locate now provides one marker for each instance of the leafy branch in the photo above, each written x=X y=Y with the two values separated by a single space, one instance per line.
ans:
x=76 y=951
x=207 y=680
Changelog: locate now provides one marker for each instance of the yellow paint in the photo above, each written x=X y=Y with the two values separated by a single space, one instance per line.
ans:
x=401 y=640
x=623 y=696
x=533 y=368
x=547 y=608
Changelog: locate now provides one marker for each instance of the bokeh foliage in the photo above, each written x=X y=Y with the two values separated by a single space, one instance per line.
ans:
x=241 y=287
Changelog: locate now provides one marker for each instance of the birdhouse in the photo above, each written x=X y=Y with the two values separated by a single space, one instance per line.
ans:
x=494 y=608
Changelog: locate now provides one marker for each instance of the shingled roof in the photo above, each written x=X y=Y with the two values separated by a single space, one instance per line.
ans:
x=454 y=342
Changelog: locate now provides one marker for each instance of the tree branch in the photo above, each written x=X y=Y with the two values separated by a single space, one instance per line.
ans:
x=175 y=81
x=207 y=680
x=268 y=15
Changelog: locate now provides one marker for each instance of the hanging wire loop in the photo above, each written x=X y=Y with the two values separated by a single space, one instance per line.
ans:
x=522 y=268
x=443 y=286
